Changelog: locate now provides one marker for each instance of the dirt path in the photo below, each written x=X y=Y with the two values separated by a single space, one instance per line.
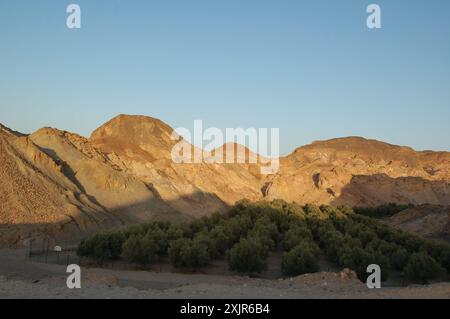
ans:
x=20 y=279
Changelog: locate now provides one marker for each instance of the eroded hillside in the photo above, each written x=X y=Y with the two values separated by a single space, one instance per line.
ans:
x=62 y=184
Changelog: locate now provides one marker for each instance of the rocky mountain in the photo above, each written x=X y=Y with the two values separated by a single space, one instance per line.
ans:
x=142 y=146
x=62 y=184
x=358 y=172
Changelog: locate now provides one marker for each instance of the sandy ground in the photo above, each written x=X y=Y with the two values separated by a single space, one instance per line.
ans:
x=22 y=279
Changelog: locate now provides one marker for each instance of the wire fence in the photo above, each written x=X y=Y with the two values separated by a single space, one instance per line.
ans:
x=47 y=250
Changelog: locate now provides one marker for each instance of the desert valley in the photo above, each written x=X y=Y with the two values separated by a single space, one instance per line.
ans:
x=60 y=187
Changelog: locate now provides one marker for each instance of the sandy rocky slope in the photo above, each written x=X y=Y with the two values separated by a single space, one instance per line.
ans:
x=59 y=184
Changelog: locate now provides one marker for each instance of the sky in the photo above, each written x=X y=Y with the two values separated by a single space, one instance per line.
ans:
x=310 y=68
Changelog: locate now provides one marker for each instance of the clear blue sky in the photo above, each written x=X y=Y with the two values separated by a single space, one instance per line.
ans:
x=311 y=68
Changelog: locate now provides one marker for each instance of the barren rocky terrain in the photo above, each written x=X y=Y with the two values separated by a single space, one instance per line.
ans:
x=21 y=279
x=431 y=221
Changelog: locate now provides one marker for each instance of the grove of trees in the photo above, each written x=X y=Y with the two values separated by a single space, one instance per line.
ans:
x=249 y=233
x=381 y=211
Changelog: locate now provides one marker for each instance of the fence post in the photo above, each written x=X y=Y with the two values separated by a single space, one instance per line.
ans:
x=46 y=251
x=30 y=248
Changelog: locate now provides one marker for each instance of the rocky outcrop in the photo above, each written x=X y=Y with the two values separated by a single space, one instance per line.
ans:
x=355 y=171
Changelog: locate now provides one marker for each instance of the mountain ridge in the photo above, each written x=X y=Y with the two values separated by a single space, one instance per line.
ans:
x=123 y=173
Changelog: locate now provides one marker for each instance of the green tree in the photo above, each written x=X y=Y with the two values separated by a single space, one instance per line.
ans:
x=141 y=250
x=399 y=259
x=366 y=236
x=220 y=241
x=160 y=238
x=381 y=211
x=248 y=256
x=314 y=211
x=303 y=259
x=266 y=232
x=422 y=268
x=186 y=253
x=102 y=247
x=205 y=238
x=296 y=235
x=179 y=231
x=237 y=227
